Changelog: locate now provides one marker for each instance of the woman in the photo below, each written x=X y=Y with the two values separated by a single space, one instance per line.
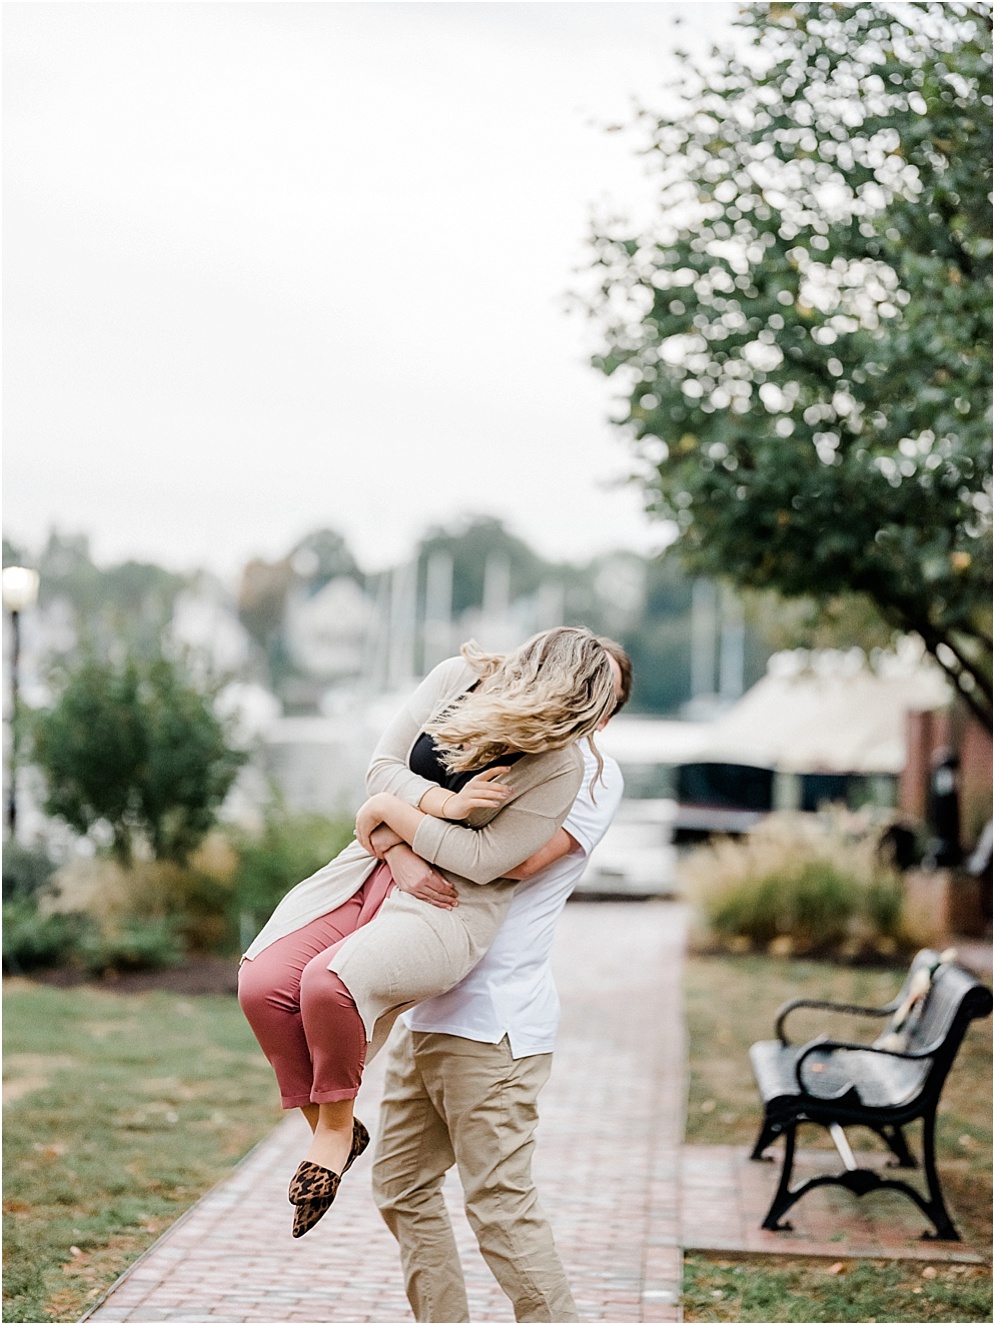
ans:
x=476 y=773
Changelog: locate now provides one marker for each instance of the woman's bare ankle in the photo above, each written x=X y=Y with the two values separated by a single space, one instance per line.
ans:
x=330 y=1150
x=331 y=1143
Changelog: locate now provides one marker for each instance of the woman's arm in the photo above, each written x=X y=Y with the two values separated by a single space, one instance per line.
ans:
x=384 y=811
x=416 y=877
x=374 y=832
x=480 y=855
x=388 y=770
x=484 y=792
x=412 y=875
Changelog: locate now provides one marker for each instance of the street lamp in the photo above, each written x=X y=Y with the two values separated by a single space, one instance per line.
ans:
x=20 y=591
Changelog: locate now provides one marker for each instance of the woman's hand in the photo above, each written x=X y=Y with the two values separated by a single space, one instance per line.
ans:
x=371 y=814
x=482 y=792
x=417 y=878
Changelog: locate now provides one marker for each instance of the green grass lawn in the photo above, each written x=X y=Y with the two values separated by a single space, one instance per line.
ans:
x=123 y=1109
x=732 y=1001
x=120 y=1111
x=798 y=1288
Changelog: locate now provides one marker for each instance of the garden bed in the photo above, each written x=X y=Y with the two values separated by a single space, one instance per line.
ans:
x=198 y=975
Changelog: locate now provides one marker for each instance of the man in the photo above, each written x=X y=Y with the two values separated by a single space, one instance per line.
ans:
x=462 y=1082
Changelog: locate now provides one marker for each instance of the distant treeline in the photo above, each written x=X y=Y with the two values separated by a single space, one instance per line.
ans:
x=683 y=640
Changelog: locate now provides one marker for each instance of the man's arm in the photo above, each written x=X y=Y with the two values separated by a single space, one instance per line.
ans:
x=559 y=845
x=415 y=876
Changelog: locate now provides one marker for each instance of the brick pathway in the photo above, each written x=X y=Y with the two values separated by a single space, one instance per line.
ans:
x=606 y=1165
x=725 y=1196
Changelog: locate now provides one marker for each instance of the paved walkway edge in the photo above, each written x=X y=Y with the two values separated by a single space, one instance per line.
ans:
x=606 y=1167
x=247 y=1158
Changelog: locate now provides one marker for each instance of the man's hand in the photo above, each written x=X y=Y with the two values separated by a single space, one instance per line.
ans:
x=417 y=878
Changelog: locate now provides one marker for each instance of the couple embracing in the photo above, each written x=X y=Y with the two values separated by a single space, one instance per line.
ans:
x=487 y=794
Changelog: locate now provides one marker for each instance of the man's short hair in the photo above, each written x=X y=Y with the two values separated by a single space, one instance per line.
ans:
x=624 y=666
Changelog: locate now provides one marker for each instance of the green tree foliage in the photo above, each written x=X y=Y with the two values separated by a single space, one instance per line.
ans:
x=644 y=603
x=322 y=556
x=14 y=554
x=135 y=745
x=804 y=339
x=471 y=544
x=131 y=601
x=291 y=847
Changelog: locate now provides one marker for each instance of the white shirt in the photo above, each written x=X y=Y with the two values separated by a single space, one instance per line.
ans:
x=511 y=991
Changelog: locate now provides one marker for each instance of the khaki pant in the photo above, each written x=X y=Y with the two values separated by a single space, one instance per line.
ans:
x=449 y=1100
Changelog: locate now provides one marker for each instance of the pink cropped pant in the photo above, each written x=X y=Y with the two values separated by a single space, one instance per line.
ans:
x=304 y=1018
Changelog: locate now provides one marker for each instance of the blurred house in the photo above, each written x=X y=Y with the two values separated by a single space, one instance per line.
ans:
x=326 y=631
x=933 y=732
x=817 y=728
x=205 y=620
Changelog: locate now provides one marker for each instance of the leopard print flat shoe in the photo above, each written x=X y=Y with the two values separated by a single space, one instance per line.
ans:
x=360 y=1140
x=318 y=1187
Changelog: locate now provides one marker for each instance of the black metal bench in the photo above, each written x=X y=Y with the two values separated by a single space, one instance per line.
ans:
x=882 y=1086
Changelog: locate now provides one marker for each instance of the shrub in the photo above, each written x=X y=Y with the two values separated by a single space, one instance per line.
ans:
x=799 y=883
x=32 y=940
x=289 y=848
x=193 y=904
x=27 y=871
x=104 y=915
x=34 y=934
x=133 y=945
x=196 y=902
x=137 y=746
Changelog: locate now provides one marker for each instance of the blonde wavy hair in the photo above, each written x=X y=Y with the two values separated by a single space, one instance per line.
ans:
x=553 y=690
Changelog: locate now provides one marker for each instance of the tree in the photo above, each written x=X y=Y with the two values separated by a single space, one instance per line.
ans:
x=322 y=556
x=471 y=543
x=804 y=338
x=137 y=746
x=132 y=600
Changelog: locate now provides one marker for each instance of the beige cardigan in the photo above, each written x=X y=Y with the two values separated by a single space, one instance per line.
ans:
x=413 y=950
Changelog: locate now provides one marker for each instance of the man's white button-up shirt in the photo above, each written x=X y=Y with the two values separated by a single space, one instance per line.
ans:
x=511 y=991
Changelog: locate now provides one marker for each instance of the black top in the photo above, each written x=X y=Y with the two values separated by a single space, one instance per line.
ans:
x=427 y=763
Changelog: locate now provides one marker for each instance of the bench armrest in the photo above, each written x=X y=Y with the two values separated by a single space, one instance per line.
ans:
x=821 y=1043
x=853 y=1008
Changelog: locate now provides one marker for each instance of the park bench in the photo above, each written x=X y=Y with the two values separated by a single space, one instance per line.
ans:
x=882 y=1086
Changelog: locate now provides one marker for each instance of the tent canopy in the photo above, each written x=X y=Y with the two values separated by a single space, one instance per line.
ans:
x=827 y=719
x=824 y=712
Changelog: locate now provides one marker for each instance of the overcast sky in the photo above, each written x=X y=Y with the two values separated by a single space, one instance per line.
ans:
x=275 y=266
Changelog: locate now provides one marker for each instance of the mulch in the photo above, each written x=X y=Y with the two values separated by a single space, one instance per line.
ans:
x=200 y=975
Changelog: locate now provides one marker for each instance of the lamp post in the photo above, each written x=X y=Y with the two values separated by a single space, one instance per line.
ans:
x=20 y=591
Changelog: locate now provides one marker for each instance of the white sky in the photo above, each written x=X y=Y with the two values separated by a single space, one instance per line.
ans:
x=274 y=266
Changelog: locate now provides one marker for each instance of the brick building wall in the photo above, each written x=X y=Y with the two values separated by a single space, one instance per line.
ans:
x=927 y=734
